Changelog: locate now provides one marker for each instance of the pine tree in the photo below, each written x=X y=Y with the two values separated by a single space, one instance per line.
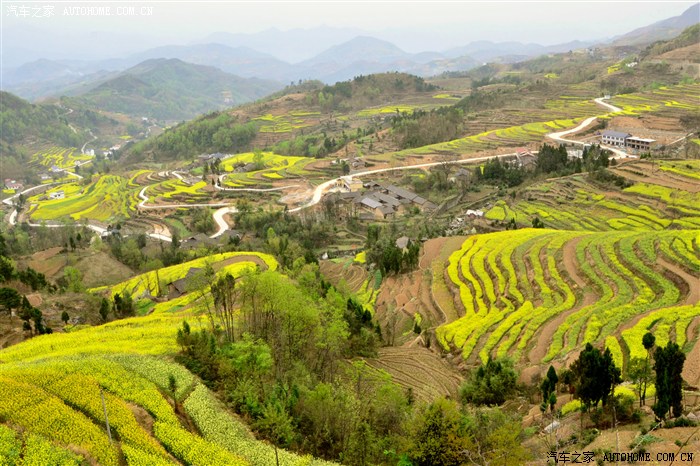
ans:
x=668 y=364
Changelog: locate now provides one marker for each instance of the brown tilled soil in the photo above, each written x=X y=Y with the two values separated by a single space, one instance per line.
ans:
x=691 y=368
x=43 y=262
x=689 y=53
x=98 y=268
x=399 y=299
x=690 y=283
x=353 y=274
x=620 y=441
x=431 y=251
x=654 y=175
x=426 y=373
x=544 y=336
x=10 y=334
x=414 y=292
x=445 y=299
x=663 y=129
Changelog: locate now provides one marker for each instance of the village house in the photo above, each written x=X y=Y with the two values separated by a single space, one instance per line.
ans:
x=462 y=174
x=526 y=159
x=198 y=240
x=356 y=164
x=212 y=157
x=403 y=243
x=179 y=287
x=371 y=204
x=619 y=139
x=230 y=235
x=640 y=144
x=378 y=202
x=349 y=183
x=57 y=195
x=12 y=184
x=614 y=138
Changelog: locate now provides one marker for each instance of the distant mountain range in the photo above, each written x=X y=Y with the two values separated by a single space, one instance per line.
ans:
x=359 y=55
x=292 y=46
x=349 y=55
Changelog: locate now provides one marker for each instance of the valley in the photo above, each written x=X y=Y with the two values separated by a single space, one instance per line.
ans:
x=485 y=265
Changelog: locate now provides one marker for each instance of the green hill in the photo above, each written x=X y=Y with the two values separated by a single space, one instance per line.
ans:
x=689 y=37
x=24 y=125
x=22 y=121
x=309 y=112
x=171 y=89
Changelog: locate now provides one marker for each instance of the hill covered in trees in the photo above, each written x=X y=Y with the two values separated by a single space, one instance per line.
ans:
x=170 y=89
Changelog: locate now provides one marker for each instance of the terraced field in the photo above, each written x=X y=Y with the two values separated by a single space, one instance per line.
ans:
x=127 y=362
x=288 y=122
x=424 y=372
x=665 y=196
x=149 y=424
x=531 y=125
x=669 y=100
x=537 y=295
x=512 y=136
x=612 y=265
x=174 y=190
x=60 y=157
x=275 y=167
x=353 y=275
x=231 y=262
x=388 y=110
x=107 y=197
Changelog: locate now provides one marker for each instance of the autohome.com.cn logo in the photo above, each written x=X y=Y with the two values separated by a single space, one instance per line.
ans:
x=30 y=11
x=47 y=11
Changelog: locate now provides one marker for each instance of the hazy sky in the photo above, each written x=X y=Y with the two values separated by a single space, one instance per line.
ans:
x=414 y=26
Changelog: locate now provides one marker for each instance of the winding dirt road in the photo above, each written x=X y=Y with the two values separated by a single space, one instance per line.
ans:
x=323 y=188
x=219 y=219
x=225 y=208
x=559 y=136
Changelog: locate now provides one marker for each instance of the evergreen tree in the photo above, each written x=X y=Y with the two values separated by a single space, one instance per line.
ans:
x=596 y=376
x=104 y=309
x=668 y=364
x=648 y=341
x=549 y=387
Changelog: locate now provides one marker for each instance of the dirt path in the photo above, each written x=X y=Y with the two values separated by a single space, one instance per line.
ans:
x=691 y=368
x=244 y=258
x=693 y=296
x=221 y=221
x=543 y=340
x=431 y=250
x=440 y=293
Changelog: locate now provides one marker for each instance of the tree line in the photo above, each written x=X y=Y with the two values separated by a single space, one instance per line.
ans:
x=216 y=132
x=284 y=351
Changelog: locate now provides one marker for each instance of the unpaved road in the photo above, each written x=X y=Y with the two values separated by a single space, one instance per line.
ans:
x=559 y=136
